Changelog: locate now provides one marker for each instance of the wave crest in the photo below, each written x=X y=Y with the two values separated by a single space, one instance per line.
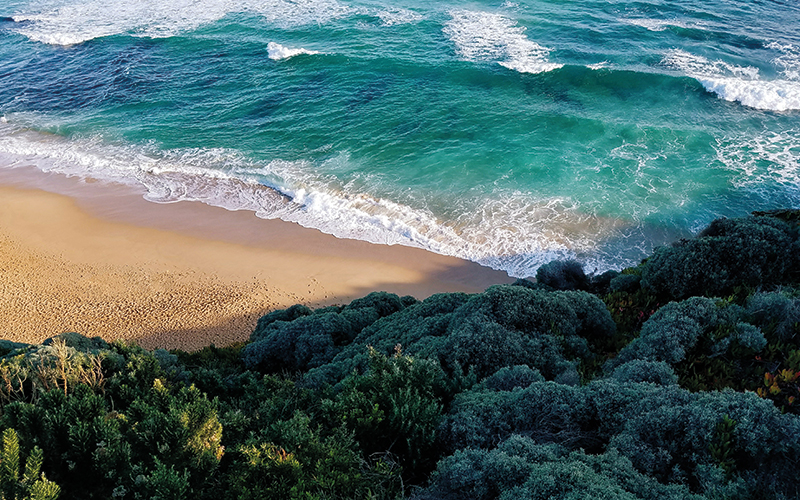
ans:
x=734 y=83
x=482 y=36
x=278 y=52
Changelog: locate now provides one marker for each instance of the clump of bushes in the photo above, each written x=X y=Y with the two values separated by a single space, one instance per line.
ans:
x=745 y=252
x=297 y=339
x=475 y=336
x=680 y=327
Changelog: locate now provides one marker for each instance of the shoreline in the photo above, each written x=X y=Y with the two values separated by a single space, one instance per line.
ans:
x=101 y=260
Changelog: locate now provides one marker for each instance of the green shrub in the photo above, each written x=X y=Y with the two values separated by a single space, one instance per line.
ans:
x=504 y=326
x=512 y=377
x=746 y=252
x=298 y=339
x=23 y=481
x=681 y=327
x=563 y=275
x=625 y=283
x=544 y=411
x=521 y=468
x=777 y=314
x=394 y=408
x=639 y=370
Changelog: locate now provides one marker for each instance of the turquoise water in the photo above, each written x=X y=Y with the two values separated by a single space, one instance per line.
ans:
x=505 y=133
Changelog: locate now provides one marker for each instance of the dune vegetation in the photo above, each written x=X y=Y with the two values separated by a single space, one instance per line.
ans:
x=678 y=378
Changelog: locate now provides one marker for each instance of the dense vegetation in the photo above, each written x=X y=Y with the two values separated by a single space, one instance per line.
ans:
x=679 y=378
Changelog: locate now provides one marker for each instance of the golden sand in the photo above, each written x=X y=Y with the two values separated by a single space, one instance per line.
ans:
x=104 y=262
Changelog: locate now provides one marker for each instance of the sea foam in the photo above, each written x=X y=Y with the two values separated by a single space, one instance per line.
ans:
x=483 y=36
x=734 y=83
x=67 y=22
x=788 y=59
x=393 y=17
x=657 y=24
x=277 y=51
x=763 y=162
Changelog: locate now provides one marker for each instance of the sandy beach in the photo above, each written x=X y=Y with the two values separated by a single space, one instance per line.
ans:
x=102 y=261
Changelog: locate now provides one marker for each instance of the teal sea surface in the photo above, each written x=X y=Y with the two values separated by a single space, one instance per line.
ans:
x=506 y=133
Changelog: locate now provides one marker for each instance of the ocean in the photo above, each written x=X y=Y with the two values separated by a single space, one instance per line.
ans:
x=506 y=133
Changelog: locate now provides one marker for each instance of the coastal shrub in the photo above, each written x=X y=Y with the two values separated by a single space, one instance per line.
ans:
x=480 y=345
x=419 y=329
x=777 y=314
x=625 y=283
x=530 y=284
x=612 y=403
x=504 y=326
x=27 y=372
x=676 y=442
x=563 y=275
x=68 y=428
x=311 y=339
x=507 y=325
x=78 y=342
x=639 y=370
x=162 y=482
x=393 y=408
x=521 y=468
x=23 y=480
x=745 y=252
x=511 y=377
x=289 y=314
x=295 y=460
x=680 y=327
x=667 y=433
x=92 y=449
x=600 y=284
x=304 y=343
x=130 y=372
x=547 y=412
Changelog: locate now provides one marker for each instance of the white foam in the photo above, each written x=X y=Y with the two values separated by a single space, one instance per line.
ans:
x=762 y=162
x=776 y=95
x=69 y=22
x=278 y=52
x=657 y=24
x=734 y=83
x=514 y=232
x=483 y=36
x=600 y=65
x=393 y=17
x=698 y=66
x=788 y=59
x=290 y=13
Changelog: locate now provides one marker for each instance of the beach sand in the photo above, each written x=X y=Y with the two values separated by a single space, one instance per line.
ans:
x=102 y=261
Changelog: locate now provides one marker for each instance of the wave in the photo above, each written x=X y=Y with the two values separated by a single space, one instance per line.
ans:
x=67 y=22
x=483 y=36
x=278 y=52
x=513 y=232
x=778 y=95
x=734 y=83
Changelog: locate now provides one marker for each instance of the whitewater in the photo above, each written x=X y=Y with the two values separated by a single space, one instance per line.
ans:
x=506 y=133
